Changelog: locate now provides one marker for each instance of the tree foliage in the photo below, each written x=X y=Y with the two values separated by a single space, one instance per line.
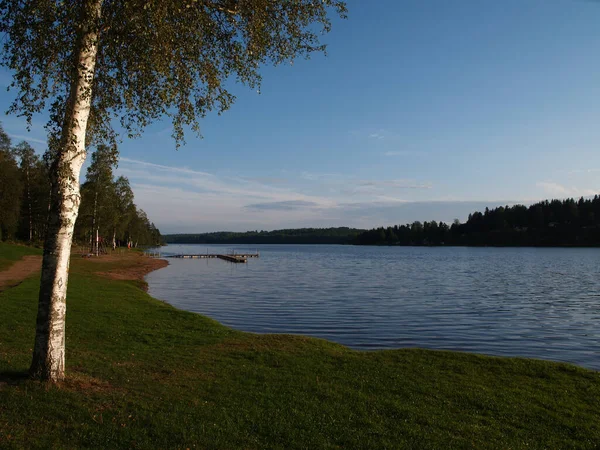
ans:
x=35 y=196
x=156 y=57
x=10 y=188
x=25 y=192
x=108 y=209
x=549 y=223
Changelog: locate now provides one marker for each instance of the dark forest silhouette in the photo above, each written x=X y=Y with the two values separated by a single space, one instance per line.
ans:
x=341 y=235
x=554 y=223
x=107 y=202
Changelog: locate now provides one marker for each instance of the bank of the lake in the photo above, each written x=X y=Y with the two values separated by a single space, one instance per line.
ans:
x=144 y=374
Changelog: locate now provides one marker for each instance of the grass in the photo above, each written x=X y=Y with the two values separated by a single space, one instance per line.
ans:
x=144 y=374
x=11 y=253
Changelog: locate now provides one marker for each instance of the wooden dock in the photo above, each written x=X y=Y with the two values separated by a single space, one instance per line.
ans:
x=233 y=257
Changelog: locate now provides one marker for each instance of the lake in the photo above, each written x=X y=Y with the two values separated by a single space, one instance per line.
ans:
x=531 y=302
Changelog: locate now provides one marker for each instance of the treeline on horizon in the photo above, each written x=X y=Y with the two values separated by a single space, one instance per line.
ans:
x=340 y=235
x=552 y=223
x=107 y=206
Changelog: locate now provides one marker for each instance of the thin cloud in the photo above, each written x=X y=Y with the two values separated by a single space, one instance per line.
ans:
x=208 y=184
x=403 y=153
x=580 y=171
x=179 y=198
x=399 y=184
x=164 y=168
x=222 y=192
x=406 y=184
x=348 y=183
x=382 y=134
x=321 y=177
x=558 y=190
x=284 y=206
x=28 y=139
x=266 y=180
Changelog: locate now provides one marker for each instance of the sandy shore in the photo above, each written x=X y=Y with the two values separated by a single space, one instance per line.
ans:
x=130 y=266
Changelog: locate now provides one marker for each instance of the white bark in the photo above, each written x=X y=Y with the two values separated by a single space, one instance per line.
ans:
x=49 y=349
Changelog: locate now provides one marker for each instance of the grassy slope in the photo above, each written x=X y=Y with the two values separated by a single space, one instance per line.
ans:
x=10 y=253
x=144 y=374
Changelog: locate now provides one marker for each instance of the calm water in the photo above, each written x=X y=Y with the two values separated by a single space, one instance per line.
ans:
x=542 y=303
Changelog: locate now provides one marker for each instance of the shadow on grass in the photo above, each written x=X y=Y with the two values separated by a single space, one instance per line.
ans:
x=9 y=285
x=13 y=377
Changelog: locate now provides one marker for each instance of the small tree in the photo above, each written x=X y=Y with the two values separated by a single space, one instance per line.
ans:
x=94 y=60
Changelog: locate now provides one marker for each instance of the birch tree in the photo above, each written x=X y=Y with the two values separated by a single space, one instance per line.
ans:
x=91 y=62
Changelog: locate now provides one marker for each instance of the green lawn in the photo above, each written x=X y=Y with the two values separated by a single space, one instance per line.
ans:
x=144 y=374
x=11 y=253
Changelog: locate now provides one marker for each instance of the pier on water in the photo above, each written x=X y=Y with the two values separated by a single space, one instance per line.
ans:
x=231 y=257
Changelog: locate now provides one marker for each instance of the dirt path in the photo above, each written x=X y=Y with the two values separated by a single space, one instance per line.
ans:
x=132 y=267
x=20 y=270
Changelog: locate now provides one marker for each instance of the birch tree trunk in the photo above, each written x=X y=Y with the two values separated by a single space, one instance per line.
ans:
x=49 y=348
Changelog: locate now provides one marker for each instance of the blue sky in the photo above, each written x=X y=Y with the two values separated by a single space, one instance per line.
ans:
x=423 y=109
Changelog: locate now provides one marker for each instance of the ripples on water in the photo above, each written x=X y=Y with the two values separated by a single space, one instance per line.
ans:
x=542 y=303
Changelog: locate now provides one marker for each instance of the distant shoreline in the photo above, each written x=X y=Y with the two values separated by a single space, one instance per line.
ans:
x=387 y=245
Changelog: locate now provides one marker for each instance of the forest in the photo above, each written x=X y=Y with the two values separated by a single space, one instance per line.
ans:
x=107 y=207
x=551 y=223
x=340 y=235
